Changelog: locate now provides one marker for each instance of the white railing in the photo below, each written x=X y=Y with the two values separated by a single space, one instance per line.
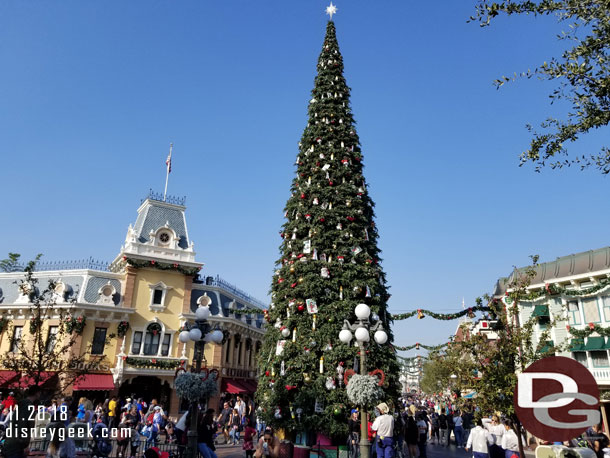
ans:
x=602 y=375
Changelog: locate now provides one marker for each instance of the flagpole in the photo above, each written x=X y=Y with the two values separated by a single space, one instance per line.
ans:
x=167 y=169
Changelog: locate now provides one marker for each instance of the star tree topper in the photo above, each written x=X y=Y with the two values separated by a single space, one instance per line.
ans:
x=330 y=10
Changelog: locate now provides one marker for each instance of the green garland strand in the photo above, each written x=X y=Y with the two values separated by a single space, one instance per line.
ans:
x=422 y=313
x=554 y=290
x=411 y=358
x=582 y=333
x=417 y=346
x=152 y=362
x=162 y=266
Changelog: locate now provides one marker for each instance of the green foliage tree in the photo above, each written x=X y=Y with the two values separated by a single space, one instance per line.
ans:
x=329 y=255
x=437 y=371
x=582 y=73
x=52 y=361
x=490 y=367
x=10 y=264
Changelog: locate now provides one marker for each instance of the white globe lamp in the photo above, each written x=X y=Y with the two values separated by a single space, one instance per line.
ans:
x=362 y=334
x=363 y=311
x=184 y=336
x=195 y=334
x=381 y=337
x=345 y=336
x=202 y=313
x=217 y=336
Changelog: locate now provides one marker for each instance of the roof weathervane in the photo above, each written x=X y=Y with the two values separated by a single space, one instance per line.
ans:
x=330 y=10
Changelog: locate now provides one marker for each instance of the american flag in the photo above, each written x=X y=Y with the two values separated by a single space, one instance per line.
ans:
x=168 y=161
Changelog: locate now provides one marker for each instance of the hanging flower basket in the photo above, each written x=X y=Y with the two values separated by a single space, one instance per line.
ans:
x=364 y=390
x=76 y=325
x=122 y=328
x=193 y=388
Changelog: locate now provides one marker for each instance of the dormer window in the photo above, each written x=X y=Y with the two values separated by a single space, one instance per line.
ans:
x=106 y=294
x=158 y=295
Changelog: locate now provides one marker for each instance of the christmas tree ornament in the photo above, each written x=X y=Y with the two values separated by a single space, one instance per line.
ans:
x=341 y=292
x=314 y=256
x=300 y=280
x=337 y=411
x=340 y=259
x=356 y=250
x=324 y=272
x=368 y=291
x=330 y=383
x=292 y=269
x=321 y=364
x=312 y=306
x=307 y=246
x=316 y=201
x=283 y=367
x=348 y=203
x=339 y=226
x=278 y=413
x=313 y=323
x=318 y=406
x=306 y=378
x=285 y=331
x=279 y=347
x=278 y=324
x=301 y=308
x=420 y=314
x=294 y=334
x=330 y=205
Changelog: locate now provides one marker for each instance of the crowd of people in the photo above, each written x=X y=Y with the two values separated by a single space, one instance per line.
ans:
x=414 y=423
x=128 y=427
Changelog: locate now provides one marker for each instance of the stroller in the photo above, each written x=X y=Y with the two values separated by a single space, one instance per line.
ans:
x=154 y=452
x=101 y=447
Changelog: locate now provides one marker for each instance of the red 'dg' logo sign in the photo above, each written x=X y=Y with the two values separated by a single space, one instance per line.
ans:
x=557 y=399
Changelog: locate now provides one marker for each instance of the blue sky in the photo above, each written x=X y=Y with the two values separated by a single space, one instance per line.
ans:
x=92 y=93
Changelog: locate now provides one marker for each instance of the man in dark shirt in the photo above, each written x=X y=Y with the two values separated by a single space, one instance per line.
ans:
x=223 y=420
x=18 y=434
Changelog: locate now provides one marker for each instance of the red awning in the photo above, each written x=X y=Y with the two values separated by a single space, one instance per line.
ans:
x=95 y=382
x=232 y=386
x=6 y=377
x=26 y=381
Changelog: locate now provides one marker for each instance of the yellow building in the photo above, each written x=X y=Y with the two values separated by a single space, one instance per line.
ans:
x=154 y=285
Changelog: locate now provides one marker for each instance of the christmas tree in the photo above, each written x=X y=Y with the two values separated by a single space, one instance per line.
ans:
x=329 y=264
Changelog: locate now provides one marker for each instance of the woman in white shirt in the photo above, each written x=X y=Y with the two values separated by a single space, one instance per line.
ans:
x=510 y=443
x=479 y=439
x=496 y=431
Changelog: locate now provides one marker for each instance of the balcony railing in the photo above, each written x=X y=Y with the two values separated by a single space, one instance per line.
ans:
x=220 y=283
x=89 y=263
x=152 y=195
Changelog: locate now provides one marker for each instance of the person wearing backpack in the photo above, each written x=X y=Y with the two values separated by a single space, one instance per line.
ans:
x=443 y=427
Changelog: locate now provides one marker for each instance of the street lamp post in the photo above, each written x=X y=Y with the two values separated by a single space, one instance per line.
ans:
x=362 y=329
x=200 y=332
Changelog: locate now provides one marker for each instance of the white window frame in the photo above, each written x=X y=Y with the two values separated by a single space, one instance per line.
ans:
x=104 y=299
x=164 y=288
x=162 y=335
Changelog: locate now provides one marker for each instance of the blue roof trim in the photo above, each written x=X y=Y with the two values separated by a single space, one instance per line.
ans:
x=95 y=283
x=155 y=217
